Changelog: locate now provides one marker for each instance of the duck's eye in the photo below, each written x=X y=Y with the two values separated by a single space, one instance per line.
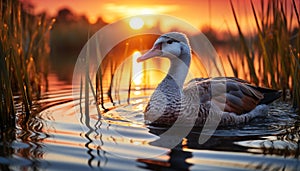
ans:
x=170 y=41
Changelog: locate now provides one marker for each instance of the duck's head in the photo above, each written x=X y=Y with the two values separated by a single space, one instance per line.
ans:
x=170 y=45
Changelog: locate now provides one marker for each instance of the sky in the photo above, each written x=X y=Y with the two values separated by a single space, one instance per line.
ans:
x=215 y=13
x=199 y=13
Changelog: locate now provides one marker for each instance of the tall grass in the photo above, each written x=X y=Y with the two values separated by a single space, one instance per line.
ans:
x=274 y=48
x=24 y=53
x=109 y=82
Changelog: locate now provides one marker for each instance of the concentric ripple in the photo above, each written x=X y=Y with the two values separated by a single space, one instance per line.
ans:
x=55 y=140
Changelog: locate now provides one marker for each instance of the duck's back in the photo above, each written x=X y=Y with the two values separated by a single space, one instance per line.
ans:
x=231 y=94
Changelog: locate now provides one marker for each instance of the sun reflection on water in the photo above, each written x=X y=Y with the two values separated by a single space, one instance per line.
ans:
x=136 y=70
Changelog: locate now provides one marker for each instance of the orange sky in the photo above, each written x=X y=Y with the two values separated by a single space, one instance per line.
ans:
x=197 y=12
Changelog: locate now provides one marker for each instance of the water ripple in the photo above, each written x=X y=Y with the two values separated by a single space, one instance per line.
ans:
x=58 y=138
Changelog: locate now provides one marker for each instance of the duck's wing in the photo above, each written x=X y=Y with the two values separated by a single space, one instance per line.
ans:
x=218 y=78
x=230 y=94
x=241 y=97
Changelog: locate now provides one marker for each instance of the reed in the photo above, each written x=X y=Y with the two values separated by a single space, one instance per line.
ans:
x=24 y=53
x=275 y=46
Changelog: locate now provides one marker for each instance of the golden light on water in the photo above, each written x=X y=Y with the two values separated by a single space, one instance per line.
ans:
x=137 y=68
x=136 y=23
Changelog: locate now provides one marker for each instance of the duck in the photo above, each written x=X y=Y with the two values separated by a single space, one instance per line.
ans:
x=233 y=101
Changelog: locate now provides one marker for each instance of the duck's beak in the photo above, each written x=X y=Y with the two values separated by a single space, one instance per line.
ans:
x=155 y=51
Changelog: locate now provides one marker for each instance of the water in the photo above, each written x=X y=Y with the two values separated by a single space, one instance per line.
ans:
x=57 y=138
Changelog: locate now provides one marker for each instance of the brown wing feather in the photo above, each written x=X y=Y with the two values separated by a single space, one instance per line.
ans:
x=240 y=96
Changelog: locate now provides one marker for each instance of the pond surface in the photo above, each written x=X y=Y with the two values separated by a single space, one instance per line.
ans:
x=58 y=138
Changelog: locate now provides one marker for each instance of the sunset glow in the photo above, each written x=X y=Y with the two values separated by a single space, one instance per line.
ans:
x=216 y=14
x=197 y=13
x=92 y=20
x=136 y=23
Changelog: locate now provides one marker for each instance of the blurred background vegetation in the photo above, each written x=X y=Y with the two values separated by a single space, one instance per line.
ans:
x=68 y=36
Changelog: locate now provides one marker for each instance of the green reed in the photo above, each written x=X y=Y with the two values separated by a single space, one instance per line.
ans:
x=275 y=46
x=24 y=51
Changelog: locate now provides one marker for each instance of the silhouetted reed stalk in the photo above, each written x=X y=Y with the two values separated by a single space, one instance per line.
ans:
x=100 y=83
x=112 y=74
x=129 y=84
x=246 y=50
x=24 y=51
x=275 y=46
x=99 y=87
x=118 y=84
x=87 y=86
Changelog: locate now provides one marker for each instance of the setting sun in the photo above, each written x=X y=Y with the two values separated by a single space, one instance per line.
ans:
x=136 y=23
x=92 y=19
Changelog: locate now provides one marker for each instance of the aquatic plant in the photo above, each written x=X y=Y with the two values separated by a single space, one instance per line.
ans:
x=24 y=54
x=274 y=47
x=113 y=86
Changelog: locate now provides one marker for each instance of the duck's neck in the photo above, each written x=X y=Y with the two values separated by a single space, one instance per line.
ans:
x=167 y=97
x=179 y=69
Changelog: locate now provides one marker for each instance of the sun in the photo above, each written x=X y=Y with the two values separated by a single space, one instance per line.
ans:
x=136 y=23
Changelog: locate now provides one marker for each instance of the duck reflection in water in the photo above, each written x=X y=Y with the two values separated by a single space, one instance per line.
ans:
x=177 y=161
